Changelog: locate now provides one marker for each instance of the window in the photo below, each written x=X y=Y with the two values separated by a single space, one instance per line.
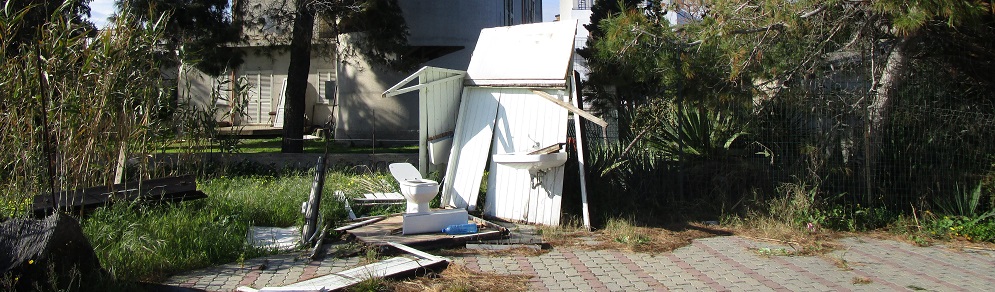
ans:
x=326 y=94
x=259 y=95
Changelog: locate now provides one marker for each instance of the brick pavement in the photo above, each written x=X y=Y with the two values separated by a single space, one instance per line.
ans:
x=728 y=263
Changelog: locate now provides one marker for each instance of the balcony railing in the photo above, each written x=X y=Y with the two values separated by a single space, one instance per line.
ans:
x=584 y=5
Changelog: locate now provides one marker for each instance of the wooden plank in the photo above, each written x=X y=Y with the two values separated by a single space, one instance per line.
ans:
x=422 y=86
x=389 y=230
x=154 y=190
x=360 y=224
x=392 y=267
x=416 y=252
x=572 y=108
x=580 y=155
x=471 y=145
x=392 y=90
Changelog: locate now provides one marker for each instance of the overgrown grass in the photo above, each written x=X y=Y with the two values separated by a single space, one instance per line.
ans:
x=152 y=242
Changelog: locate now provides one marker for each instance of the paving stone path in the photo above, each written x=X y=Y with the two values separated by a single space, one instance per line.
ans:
x=727 y=263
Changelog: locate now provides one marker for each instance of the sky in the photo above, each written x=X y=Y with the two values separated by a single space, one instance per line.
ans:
x=550 y=8
x=101 y=9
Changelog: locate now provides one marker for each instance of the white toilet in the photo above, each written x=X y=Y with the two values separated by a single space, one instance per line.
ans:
x=419 y=192
x=416 y=190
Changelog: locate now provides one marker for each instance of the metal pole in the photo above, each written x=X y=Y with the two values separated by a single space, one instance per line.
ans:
x=312 y=213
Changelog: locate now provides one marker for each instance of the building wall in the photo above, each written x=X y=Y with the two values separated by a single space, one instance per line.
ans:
x=197 y=87
x=363 y=117
x=359 y=113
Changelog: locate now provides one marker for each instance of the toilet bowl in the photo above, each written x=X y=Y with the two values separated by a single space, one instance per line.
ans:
x=416 y=190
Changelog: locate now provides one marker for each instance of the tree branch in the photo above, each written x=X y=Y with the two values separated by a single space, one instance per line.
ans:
x=777 y=26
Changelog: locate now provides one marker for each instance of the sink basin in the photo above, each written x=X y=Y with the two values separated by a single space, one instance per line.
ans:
x=531 y=161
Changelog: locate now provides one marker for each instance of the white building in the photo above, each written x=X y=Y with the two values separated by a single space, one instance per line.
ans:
x=345 y=89
x=579 y=11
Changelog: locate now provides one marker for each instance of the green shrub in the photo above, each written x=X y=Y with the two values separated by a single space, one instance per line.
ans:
x=981 y=229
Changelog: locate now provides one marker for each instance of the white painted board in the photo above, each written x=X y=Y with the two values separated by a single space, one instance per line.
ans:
x=523 y=121
x=471 y=145
x=440 y=101
x=439 y=92
x=537 y=54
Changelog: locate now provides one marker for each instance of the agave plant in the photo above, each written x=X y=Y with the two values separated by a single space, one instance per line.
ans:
x=694 y=133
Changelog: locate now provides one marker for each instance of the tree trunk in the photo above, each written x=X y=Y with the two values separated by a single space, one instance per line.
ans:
x=878 y=112
x=297 y=74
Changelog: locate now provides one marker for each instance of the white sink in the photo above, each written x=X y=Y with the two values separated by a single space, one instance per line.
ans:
x=531 y=161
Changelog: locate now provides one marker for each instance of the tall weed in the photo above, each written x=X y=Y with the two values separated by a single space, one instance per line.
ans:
x=72 y=104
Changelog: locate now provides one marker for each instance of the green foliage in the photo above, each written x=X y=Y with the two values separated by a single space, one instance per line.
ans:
x=910 y=16
x=30 y=18
x=695 y=133
x=202 y=31
x=75 y=101
x=980 y=229
x=962 y=203
x=152 y=242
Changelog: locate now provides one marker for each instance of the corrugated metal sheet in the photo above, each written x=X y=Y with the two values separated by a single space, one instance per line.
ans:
x=526 y=121
x=471 y=145
x=521 y=55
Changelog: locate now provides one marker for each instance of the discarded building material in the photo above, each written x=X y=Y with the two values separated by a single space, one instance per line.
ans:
x=389 y=230
x=417 y=223
x=438 y=102
x=581 y=167
x=311 y=207
x=169 y=189
x=339 y=195
x=471 y=144
x=413 y=263
x=274 y=238
x=372 y=199
x=499 y=247
x=361 y=223
x=518 y=90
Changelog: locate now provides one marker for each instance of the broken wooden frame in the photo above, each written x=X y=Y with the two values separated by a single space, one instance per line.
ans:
x=169 y=189
x=381 y=231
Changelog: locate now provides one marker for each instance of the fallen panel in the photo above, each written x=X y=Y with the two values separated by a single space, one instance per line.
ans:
x=416 y=261
x=389 y=230
x=471 y=145
x=275 y=238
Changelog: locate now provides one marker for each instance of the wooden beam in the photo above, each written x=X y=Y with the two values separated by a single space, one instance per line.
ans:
x=580 y=159
x=571 y=108
x=419 y=86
